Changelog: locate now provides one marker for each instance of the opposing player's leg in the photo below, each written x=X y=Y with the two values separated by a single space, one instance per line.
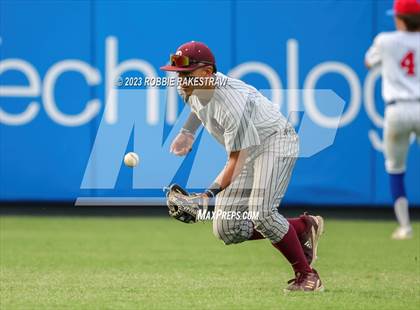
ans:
x=396 y=143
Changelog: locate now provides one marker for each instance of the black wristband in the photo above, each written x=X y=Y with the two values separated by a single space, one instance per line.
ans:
x=213 y=190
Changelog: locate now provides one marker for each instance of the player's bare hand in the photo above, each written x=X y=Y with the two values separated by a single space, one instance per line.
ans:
x=182 y=144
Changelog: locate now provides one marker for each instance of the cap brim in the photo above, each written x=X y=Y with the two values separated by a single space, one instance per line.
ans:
x=182 y=69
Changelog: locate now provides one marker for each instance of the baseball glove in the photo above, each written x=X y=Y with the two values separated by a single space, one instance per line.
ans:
x=184 y=206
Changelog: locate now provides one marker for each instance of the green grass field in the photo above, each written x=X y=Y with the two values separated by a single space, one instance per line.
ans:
x=159 y=263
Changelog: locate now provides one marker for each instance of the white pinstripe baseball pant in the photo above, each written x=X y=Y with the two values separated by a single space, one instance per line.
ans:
x=259 y=187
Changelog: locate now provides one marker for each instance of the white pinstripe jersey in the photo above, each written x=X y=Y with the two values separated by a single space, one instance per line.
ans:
x=238 y=115
x=398 y=53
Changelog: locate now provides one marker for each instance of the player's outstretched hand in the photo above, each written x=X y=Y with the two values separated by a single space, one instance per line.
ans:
x=182 y=144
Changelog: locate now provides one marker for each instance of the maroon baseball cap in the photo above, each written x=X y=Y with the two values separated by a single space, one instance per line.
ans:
x=190 y=56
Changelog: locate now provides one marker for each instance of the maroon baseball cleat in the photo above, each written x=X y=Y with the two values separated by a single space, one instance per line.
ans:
x=309 y=239
x=306 y=282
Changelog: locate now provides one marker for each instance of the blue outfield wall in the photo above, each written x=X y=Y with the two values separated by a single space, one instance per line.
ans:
x=59 y=61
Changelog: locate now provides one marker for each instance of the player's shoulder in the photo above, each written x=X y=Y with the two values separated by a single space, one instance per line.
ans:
x=231 y=90
x=390 y=38
x=231 y=83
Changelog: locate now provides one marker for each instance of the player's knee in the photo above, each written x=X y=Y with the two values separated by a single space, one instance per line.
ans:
x=222 y=233
x=217 y=231
x=393 y=166
x=228 y=233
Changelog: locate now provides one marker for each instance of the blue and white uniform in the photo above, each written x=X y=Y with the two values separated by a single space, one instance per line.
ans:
x=398 y=54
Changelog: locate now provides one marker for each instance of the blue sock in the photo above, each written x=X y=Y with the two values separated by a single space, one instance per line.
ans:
x=397 y=185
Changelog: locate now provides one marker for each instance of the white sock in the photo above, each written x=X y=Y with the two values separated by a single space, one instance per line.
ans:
x=401 y=212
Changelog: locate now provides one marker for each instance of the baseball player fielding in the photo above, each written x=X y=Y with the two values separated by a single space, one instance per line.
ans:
x=262 y=148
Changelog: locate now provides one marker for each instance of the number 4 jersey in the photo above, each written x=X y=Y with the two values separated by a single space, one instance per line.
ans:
x=398 y=52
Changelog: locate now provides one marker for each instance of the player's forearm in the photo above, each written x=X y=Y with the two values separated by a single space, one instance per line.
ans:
x=192 y=123
x=232 y=169
x=224 y=177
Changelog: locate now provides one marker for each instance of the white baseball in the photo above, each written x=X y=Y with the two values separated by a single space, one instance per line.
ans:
x=131 y=159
